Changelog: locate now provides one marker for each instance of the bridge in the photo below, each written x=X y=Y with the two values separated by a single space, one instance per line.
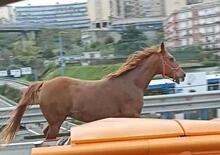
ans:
x=18 y=28
x=5 y=2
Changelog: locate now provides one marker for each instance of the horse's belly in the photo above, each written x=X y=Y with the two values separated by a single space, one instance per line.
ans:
x=90 y=111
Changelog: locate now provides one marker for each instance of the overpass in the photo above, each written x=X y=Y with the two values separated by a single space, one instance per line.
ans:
x=5 y=2
x=13 y=27
x=18 y=28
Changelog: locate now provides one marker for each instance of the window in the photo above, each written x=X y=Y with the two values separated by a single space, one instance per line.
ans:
x=182 y=25
x=183 y=42
x=104 y=24
x=98 y=25
x=190 y=41
x=213 y=87
x=202 y=30
x=182 y=33
x=201 y=21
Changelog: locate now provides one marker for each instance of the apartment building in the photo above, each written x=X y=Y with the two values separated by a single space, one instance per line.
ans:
x=171 y=6
x=197 y=24
x=6 y=15
x=103 y=12
x=99 y=12
x=60 y=15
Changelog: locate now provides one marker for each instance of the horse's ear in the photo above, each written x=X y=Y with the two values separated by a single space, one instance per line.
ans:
x=162 y=48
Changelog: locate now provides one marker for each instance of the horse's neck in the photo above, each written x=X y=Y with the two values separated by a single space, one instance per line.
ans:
x=143 y=74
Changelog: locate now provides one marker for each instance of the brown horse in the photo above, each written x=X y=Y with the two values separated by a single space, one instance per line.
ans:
x=119 y=94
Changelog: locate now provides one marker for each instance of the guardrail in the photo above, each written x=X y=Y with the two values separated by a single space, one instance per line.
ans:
x=32 y=115
x=7 y=101
x=152 y=104
x=18 y=148
x=181 y=102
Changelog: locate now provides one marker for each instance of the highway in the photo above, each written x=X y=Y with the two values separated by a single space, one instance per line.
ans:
x=152 y=105
x=33 y=119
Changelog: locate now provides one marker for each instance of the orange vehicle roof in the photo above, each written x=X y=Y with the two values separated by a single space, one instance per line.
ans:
x=122 y=129
x=130 y=136
x=200 y=128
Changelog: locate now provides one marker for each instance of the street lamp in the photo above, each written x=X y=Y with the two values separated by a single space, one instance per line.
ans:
x=11 y=60
x=62 y=63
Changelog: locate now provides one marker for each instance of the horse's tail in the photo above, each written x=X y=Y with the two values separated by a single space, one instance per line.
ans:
x=30 y=96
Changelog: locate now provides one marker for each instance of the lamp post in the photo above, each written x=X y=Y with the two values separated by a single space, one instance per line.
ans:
x=62 y=63
x=11 y=58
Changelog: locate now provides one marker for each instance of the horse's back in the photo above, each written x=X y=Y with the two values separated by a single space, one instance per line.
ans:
x=65 y=90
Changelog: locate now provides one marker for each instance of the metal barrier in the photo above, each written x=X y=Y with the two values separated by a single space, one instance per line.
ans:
x=18 y=148
x=152 y=104
x=181 y=102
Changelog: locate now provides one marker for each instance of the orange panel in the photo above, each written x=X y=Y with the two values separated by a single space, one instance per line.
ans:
x=195 y=128
x=125 y=136
x=194 y=144
x=198 y=145
x=117 y=129
x=109 y=148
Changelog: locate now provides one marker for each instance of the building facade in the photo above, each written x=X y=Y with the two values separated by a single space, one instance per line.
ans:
x=59 y=16
x=103 y=12
x=154 y=8
x=171 y=6
x=189 y=2
x=117 y=9
x=99 y=13
x=143 y=8
x=197 y=24
x=142 y=24
x=6 y=15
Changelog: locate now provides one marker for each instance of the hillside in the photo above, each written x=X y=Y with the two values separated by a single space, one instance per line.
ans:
x=84 y=72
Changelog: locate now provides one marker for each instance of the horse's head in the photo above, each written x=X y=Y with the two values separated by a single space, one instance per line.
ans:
x=169 y=66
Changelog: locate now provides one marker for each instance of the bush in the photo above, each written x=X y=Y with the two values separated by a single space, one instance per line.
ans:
x=109 y=40
x=187 y=53
x=10 y=93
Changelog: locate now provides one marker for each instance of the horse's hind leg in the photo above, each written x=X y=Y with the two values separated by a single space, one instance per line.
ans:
x=54 y=128
x=45 y=130
x=53 y=131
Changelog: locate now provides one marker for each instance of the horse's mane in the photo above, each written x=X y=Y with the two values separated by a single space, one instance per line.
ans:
x=132 y=62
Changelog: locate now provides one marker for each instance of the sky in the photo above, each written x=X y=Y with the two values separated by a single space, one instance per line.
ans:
x=44 y=2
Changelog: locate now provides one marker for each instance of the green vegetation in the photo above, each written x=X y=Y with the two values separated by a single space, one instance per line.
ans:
x=84 y=72
x=25 y=50
x=10 y=93
x=18 y=50
x=131 y=41
x=187 y=53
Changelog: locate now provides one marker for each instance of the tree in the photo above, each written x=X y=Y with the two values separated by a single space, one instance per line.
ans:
x=6 y=59
x=131 y=41
x=109 y=40
x=26 y=53
x=187 y=53
x=48 y=40
x=157 y=39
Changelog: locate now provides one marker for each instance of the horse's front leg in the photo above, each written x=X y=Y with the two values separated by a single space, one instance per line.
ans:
x=132 y=115
x=132 y=110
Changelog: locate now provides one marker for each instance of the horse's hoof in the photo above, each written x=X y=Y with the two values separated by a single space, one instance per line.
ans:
x=62 y=141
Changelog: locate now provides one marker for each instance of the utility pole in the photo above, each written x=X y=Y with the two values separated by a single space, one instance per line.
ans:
x=62 y=64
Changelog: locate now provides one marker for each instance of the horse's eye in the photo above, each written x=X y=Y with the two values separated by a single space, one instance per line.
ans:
x=172 y=59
